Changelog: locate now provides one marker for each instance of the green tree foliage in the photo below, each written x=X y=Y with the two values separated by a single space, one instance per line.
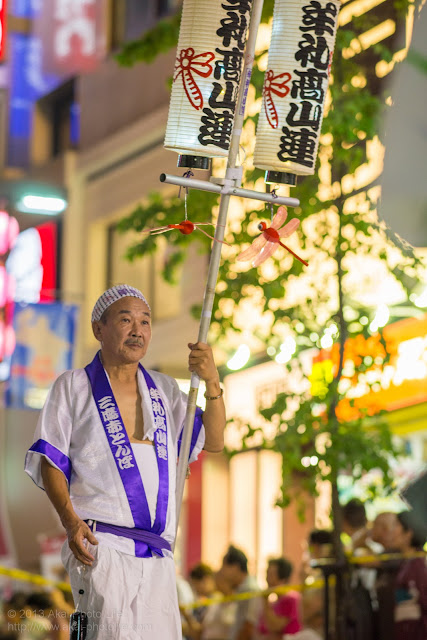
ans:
x=339 y=230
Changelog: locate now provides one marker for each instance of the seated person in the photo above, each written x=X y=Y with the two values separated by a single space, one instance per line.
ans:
x=283 y=615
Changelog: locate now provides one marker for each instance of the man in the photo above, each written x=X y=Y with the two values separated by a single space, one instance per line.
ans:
x=234 y=572
x=383 y=529
x=361 y=615
x=354 y=523
x=202 y=580
x=105 y=451
x=320 y=547
x=383 y=532
x=283 y=615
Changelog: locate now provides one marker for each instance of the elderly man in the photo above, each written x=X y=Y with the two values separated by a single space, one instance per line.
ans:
x=105 y=451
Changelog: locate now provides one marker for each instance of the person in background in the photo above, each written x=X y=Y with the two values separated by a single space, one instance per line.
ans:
x=384 y=529
x=6 y=634
x=283 y=615
x=410 y=613
x=355 y=523
x=53 y=607
x=320 y=545
x=234 y=572
x=24 y=614
x=202 y=580
x=185 y=598
x=219 y=617
x=383 y=532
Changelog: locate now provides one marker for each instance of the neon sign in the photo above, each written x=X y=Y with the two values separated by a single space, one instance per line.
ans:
x=2 y=28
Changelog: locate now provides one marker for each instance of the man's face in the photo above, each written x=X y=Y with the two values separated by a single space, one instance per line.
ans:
x=126 y=334
x=231 y=574
x=383 y=529
x=204 y=587
x=272 y=577
x=401 y=540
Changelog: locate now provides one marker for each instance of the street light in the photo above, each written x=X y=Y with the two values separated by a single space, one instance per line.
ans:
x=33 y=197
x=44 y=205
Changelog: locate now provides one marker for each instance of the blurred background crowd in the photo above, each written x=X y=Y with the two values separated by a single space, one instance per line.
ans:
x=386 y=599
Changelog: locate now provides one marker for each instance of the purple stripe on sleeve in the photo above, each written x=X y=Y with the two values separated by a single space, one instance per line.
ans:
x=53 y=454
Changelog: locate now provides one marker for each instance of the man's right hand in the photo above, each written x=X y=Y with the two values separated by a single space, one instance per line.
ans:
x=56 y=487
x=78 y=532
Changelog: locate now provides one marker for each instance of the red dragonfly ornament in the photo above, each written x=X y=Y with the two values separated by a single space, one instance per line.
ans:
x=187 y=65
x=277 y=85
x=185 y=227
x=270 y=239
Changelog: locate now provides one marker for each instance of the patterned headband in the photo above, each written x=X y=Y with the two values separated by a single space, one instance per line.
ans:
x=112 y=295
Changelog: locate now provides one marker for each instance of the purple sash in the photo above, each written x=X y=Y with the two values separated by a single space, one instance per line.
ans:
x=123 y=454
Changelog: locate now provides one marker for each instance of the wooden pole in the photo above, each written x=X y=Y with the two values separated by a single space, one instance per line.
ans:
x=206 y=315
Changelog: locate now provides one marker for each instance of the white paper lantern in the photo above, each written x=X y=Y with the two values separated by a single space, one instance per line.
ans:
x=295 y=85
x=207 y=76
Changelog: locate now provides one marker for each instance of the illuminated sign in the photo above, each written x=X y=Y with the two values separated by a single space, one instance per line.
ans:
x=73 y=35
x=31 y=265
x=402 y=382
x=2 y=28
x=24 y=8
x=27 y=84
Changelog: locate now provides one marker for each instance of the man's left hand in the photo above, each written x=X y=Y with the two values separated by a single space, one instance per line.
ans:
x=201 y=361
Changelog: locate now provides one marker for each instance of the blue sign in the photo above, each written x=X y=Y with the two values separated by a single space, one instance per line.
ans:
x=28 y=83
x=44 y=349
x=25 y=8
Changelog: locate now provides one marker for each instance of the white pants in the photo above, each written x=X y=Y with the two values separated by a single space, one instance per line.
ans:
x=125 y=598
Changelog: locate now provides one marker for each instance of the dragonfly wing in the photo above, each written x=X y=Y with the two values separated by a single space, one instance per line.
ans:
x=255 y=248
x=289 y=228
x=155 y=232
x=280 y=217
x=266 y=252
x=198 y=224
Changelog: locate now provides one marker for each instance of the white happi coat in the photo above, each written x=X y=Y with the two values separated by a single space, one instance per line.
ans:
x=77 y=445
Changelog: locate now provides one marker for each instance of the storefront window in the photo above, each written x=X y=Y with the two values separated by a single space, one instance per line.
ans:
x=256 y=524
x=131 y=18
x=143 y=273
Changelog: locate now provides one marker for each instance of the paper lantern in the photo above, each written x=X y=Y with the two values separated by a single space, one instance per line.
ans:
x=207 y=77
x=295 y=85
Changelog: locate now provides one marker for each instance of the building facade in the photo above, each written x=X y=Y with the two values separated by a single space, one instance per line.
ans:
x=76 y=119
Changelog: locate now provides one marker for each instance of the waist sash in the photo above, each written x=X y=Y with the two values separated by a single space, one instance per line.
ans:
x=137 y=535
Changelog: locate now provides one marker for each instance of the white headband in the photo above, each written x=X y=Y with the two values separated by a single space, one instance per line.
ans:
x=112 y=295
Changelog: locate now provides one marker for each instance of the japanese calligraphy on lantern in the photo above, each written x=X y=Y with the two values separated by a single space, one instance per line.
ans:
x=207 y=76
x=295 y=85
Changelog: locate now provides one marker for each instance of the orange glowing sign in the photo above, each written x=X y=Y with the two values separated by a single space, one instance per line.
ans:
x=400 y=382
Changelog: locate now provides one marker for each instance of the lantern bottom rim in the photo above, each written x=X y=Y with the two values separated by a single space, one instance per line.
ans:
x=194 y=162
x=280 y=177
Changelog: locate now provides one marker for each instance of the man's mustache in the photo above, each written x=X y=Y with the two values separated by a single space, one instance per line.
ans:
x=137 y=342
